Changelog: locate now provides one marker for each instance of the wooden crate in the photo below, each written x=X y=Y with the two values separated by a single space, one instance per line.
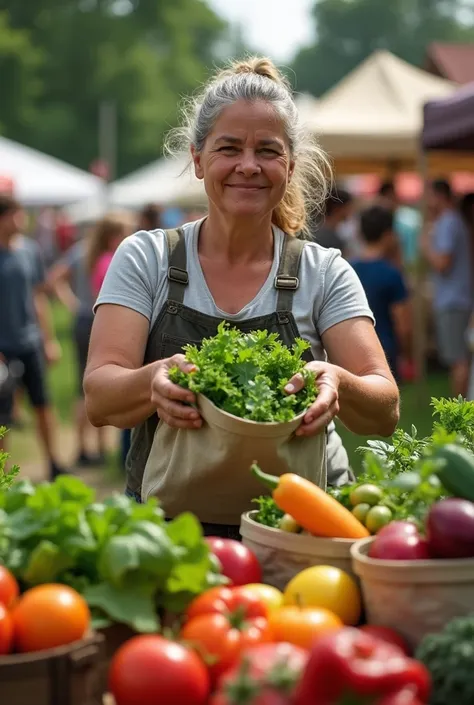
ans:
x=68 y=675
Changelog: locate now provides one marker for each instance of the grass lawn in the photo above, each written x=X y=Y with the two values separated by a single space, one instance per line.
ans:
x=63 y=385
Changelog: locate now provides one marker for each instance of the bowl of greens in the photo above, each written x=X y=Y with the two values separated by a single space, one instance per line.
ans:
x=242 y=376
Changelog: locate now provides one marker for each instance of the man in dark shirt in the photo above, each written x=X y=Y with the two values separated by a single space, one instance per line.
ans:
x=26 y=341
x=337 y=209
x=384 y=284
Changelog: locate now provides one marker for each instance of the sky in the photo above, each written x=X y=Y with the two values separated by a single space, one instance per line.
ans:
x=274 y=27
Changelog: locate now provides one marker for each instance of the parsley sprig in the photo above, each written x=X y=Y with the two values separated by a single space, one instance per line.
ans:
x=7 y=477
x=245 y=374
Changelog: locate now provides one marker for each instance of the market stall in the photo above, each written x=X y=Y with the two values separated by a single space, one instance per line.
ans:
x=361 y=593
x=448 y=124
x=371 y=120
x=40 y=180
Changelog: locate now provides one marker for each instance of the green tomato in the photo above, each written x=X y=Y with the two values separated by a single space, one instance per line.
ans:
x=366 y=494
x=287 y=523
x=360 y=511
x=378 y=517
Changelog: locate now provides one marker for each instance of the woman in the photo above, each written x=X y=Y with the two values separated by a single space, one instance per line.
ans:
x=70 y=280
x=243 y=264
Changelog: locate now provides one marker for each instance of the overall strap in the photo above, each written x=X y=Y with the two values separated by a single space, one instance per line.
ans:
x=178 y=277
x=287 y=281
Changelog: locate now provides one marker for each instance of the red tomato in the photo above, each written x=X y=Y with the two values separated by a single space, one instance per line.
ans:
x=6 y=631
x=388 y=635
x=149 y=669
x=9 y=589
x=227 y=600
x=277 y=667
x=47 y=616
x=221 y=623
x=238 y=562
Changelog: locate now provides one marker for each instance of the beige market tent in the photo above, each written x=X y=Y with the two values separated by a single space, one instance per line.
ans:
x=371 y=121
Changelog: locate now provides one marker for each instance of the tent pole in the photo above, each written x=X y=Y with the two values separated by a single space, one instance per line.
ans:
x=419 y=308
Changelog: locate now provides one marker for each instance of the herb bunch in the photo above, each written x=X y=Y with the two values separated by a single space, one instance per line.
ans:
x=245 y=374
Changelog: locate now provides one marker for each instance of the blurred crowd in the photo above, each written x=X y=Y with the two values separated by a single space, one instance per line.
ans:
x=58 y=262
x=382 y=239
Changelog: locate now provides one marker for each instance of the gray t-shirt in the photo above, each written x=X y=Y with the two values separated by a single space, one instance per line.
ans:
x=76 y=259
x=329 y=291
x=21 y=271
x=453 y=289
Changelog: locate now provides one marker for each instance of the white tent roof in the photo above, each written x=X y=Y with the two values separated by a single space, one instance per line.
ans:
x=166 y=181
x=376 y=111
x=41 y=180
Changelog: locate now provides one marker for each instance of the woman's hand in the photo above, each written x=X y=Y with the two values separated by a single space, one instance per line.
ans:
x=326 y=407
x=170 y=399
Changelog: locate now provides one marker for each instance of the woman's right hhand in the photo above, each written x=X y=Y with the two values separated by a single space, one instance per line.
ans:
x=172 y=400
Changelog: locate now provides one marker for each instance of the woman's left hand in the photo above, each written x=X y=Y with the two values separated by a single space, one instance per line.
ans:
x=326 y=407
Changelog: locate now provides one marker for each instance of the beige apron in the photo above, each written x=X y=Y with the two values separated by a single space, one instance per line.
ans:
x=206 y=470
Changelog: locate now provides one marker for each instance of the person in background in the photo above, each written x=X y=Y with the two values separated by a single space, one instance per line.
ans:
x=150 y=217
x=27 y=339
x=337 y=209
x=466 y=208
x=65 y=233
x=69 y=281
x=172 y=217
x=384 y=285
x=107 y=236
x=406 y=224
x=447 y=250
x=45 y=235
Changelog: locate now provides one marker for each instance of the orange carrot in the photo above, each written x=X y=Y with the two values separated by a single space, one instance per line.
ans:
x=311 y=507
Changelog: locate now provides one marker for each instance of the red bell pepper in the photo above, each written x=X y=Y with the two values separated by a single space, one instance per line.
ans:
x=351 y=666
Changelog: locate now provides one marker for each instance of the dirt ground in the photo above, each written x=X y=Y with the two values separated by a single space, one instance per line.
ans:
x=25 y=452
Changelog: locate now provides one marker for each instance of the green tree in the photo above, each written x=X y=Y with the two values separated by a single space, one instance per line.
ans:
x=141 y=55
x=347 y=31
x=20 y=63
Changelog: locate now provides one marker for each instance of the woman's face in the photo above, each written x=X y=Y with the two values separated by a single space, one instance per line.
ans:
x=245 y=163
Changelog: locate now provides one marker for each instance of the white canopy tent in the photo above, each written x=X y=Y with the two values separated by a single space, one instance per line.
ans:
x=166 y=181
x=371 y=121
x=40 y=180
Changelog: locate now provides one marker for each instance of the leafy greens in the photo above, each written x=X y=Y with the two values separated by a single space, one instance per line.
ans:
x=245 y=373
x=127 y=561
x=7 y=477
x=403 y=467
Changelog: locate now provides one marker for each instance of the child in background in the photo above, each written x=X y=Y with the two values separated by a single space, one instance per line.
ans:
x=384 y=285
x=106 y=237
